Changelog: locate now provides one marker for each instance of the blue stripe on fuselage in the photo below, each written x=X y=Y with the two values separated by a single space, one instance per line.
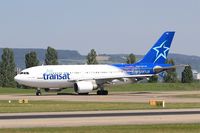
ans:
x=136 y=69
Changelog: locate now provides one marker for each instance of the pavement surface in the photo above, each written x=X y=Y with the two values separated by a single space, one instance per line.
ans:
x=169 y=97
x=96 y=118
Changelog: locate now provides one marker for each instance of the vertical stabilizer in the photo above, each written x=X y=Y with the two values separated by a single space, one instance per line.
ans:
x=158 y=53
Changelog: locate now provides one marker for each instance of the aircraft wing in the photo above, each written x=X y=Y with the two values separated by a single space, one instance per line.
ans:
x=136 y=77
x=110 y=78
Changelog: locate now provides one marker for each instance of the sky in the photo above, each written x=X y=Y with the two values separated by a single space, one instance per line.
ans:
x=108 y=26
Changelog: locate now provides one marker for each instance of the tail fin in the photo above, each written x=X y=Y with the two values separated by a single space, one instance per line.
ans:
x=158 y=53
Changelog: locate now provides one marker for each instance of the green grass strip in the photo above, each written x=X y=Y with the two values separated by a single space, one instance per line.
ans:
x=62 y=106
x=155 y=87
x=169 y=128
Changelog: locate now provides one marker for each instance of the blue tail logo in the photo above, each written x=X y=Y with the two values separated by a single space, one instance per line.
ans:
x=161 y=51
x=158 y=53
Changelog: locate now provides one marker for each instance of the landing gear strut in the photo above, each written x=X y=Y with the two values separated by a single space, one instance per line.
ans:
x=38 y=92
x=102 y=91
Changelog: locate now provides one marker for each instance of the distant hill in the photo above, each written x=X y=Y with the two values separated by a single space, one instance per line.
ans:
x=74 y=57
x=62 y=54
x=194 y=61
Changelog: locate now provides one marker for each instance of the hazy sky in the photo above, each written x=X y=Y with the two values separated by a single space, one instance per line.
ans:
x=109 y=26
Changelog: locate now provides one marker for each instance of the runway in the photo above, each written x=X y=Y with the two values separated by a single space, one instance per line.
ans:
x=103 y=118
x=94 y=118
x=97 y=114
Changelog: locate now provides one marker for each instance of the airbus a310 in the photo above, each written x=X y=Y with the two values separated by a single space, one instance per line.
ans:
x=86 y=78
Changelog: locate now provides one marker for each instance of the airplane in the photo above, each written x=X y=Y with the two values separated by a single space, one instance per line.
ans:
x=86 y=78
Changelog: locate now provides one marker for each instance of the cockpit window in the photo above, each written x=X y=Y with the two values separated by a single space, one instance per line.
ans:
x=24 y=73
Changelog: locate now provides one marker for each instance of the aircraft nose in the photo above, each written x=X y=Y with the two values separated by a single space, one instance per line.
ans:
x=17 y=78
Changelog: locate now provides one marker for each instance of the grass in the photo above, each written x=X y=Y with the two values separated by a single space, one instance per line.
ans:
x=61 y=106
x=165 y=128
x=155 y=87
x=6 y=90
x=122 y=88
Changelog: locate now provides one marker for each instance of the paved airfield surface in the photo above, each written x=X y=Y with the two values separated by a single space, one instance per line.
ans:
x=169 y=97
x=95 y=118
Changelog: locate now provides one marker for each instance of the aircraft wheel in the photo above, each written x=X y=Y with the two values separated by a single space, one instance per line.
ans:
x=83 y=93
x=98 y=92
x=38 y=93
x=105 y=92
x=102 y=92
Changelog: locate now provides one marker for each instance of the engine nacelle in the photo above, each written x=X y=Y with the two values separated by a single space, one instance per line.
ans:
x=85 y=86
x=53 y=89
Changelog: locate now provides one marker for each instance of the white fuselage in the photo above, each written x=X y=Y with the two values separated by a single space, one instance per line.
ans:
x=61 y=76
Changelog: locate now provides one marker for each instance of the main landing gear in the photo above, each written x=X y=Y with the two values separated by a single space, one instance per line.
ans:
x=102 y=91
x=38 y=92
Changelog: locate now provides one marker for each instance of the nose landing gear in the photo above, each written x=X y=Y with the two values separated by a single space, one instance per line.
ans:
x=38 y=92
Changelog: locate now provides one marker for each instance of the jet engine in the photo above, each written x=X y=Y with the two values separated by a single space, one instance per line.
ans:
x=84 y=87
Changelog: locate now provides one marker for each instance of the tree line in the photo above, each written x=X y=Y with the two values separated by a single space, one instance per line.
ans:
x=8 y=67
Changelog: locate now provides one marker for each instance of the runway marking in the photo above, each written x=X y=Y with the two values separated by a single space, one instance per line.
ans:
x=96 y=118
x=79 y=115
